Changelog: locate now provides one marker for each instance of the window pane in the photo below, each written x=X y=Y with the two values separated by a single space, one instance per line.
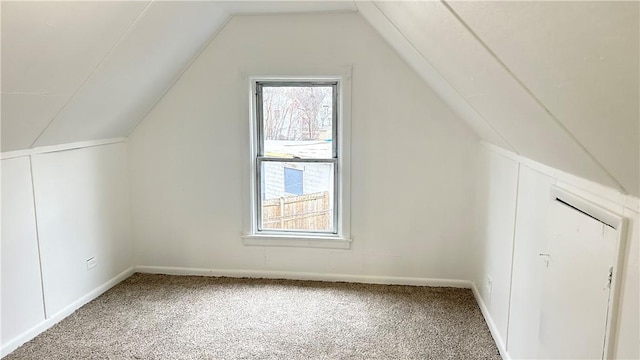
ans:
x=297 y=196
x=298 y=121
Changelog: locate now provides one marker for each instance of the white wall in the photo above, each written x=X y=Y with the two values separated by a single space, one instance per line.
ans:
x=531 y=237
x=519 y=234
x=82 y=204
x=496 y=199
x=413 y=159
x=81 y=210
x=22 y=305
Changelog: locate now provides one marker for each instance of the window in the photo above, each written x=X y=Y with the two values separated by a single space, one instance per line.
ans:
x=298 y=191
x=296 y=157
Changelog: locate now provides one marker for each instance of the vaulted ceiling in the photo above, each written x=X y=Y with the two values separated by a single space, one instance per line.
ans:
x=557 y=82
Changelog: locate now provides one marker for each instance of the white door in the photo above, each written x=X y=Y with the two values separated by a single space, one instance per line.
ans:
x=576 y=286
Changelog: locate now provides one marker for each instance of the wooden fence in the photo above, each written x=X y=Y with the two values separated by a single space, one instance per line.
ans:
x=302 y=212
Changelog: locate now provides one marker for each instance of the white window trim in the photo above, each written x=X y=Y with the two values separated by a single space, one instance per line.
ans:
x=340 y=240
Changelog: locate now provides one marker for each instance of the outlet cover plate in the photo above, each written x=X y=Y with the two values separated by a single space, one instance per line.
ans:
x=91 y=262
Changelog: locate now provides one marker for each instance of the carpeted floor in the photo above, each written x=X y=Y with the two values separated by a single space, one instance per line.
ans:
x=190 y=317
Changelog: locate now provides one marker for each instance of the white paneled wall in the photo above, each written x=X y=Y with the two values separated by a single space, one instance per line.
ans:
x=82 y=202
x=21 y=290
x=498 y=181
x=82 y=210
x=531 y=234
x=515 y=323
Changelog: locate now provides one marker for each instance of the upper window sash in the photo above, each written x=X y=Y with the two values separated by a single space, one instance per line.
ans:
x=271 y=150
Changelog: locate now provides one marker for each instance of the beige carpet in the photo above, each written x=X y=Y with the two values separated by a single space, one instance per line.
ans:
x=190 y=317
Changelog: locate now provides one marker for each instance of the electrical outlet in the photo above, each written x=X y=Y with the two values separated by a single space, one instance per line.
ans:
x=91 y=262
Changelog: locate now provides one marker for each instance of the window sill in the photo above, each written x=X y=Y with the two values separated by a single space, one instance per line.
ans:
x=310 y=241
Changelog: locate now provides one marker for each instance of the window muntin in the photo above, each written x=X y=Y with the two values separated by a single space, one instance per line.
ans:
x=296 y=125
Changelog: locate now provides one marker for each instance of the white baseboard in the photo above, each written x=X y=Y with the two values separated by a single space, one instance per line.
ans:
x=492 y=326
x=268 y=274
x=60 y=315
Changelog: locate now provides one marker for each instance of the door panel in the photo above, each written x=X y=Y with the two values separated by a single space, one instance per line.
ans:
x=532 y=234
x=575 y=295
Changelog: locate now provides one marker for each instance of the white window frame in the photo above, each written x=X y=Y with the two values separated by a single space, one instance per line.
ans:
x=340 y=237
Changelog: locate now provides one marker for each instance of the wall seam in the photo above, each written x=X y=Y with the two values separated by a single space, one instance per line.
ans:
x=127 y=158
x=35 y=216
x=513 y=250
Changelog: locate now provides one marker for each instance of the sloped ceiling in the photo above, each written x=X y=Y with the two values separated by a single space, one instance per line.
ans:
x=554 y=81
x=75 y=71
x=585 y=74
x=45 y=59
x=86 y=70
x=557 y=82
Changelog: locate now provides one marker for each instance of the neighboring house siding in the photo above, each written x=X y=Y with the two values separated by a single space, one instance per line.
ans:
x=316 y=178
